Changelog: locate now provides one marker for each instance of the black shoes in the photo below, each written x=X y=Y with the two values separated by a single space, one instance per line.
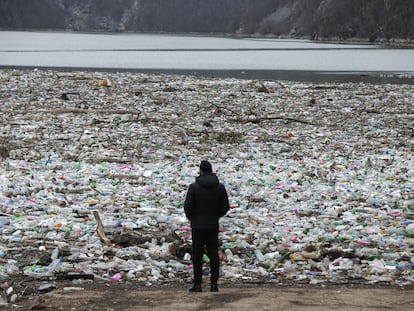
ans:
x=195 y=289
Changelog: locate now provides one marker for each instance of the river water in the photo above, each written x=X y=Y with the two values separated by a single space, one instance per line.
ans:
x=219 y=56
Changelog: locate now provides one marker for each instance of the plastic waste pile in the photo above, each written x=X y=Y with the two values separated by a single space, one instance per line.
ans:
x=95 y=166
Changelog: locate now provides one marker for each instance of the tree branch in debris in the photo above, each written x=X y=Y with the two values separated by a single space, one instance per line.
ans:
x=262 y=119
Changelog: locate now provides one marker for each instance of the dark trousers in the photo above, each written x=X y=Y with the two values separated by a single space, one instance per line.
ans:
x=209 y=239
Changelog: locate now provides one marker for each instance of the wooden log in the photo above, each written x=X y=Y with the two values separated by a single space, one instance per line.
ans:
x=100 y=229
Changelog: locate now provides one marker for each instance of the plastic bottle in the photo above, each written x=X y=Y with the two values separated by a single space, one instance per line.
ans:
x=410 y=229
x=55 y=254
x=259 y=255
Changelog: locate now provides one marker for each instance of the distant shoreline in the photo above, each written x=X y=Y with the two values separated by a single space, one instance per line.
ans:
x=389 y=43
x=379 y=77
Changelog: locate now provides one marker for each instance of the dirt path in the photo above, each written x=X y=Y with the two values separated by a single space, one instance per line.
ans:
x=127 y=298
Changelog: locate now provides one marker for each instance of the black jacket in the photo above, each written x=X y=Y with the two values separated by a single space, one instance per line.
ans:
x=206 y=202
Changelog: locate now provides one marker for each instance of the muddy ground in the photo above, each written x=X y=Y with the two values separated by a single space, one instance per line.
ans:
x=102 y=296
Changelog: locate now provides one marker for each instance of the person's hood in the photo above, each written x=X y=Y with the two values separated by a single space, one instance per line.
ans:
x=208 y=180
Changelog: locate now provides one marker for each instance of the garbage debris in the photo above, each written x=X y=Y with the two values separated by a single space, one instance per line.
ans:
x=320 y=178
x=105 y=82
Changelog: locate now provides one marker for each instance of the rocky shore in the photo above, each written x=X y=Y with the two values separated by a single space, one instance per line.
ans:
x=94 y=169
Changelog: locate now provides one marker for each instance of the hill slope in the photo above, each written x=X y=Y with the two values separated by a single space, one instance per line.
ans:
x=368 y=19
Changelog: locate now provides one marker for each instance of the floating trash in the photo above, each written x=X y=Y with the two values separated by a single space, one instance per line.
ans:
x=320 y=177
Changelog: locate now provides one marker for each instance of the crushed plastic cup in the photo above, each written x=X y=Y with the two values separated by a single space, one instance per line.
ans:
x=116 y=277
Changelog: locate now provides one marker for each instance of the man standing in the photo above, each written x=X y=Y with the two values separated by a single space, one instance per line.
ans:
x=205 y=203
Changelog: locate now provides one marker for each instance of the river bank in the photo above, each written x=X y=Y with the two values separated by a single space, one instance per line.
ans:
x=66 y=297
x=289 y=75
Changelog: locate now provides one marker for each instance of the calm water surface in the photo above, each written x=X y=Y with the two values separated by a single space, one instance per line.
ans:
x=196 y=53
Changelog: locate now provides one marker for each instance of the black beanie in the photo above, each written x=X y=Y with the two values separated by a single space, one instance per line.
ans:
x=205 y=167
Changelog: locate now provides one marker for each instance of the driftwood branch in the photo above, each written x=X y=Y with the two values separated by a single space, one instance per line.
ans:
x=96 y=111
x=259 y=120
x=225 y=108
x=100 y=229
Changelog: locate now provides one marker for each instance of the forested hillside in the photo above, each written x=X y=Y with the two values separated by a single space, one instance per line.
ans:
x=340 y=19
